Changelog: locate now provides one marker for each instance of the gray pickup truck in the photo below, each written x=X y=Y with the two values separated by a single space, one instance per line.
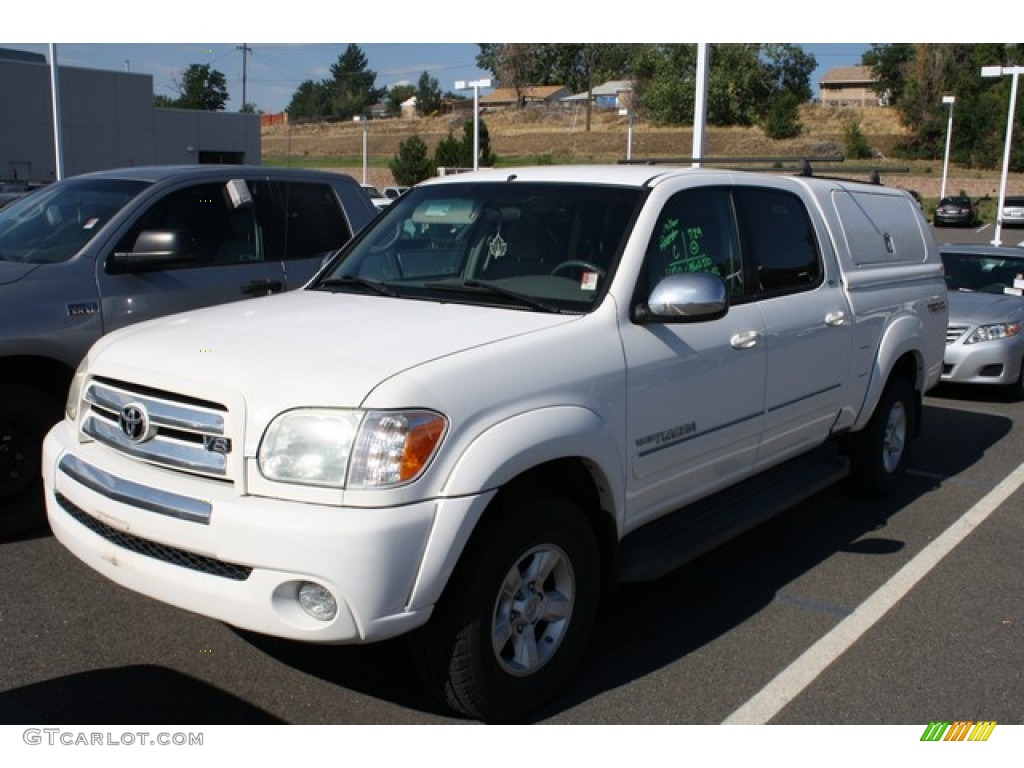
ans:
x=96 y=252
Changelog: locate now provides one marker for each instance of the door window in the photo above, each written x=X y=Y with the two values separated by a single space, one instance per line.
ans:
x=696 y=233
x=215 y=230
x=778 y=240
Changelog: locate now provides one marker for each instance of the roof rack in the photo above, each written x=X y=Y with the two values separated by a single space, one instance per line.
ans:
x=801 y=166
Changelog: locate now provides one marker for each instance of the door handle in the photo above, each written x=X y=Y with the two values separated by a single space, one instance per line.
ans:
x=745 y=339
x=835 y=318
x=262 y=287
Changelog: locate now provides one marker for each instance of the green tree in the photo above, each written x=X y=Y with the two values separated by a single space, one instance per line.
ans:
x=428 y=95
x=917 y=76
x=857 y=147
x=782 y=120
x=311 y=101
x=487 y=157
x=397 y=95
x=744 y=80
x=200 y=87
x=412 y=164
x=351 y=86
x=448 y=153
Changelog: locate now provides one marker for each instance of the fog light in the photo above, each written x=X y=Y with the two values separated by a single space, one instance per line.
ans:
x=317 y=601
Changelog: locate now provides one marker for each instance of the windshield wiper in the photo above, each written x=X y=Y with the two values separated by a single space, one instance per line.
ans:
x=348 y=281
x=484 y=286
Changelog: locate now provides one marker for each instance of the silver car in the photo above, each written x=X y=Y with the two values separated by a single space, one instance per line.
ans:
x=984 y=339
x=1013 y=212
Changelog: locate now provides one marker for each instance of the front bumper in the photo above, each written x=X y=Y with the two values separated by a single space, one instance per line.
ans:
x=996 y=363
x=241 y=559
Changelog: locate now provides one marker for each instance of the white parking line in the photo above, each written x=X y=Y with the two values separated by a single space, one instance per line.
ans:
x=789 y=683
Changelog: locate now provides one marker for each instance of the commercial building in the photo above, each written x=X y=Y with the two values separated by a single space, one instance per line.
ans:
x=108 y=120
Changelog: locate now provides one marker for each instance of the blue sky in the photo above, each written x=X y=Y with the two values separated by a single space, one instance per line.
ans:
x=296 y=40
x=274 y=70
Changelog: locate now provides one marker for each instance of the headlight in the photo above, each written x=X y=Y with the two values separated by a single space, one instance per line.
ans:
x=353 y=449
x=993 y=332
x=75 y=391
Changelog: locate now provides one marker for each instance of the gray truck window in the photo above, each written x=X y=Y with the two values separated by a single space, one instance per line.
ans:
x=55 y=223
x=299 y=220
x=218 y=232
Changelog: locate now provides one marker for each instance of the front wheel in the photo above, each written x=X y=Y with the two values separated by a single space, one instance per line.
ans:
x=25 y=417
x=880 y=452
x=516 y=618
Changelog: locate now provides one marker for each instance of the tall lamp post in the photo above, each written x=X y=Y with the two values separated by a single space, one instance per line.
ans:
x=476 y=85
x=366 y=129
x=998 y=71
x=951 y=100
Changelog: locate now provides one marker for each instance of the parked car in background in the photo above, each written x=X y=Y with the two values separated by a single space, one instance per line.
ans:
x=984 y=341
x=89 y=254
x=395 y=192
x=1013 y=212
x=379 y=200
x=956 y=211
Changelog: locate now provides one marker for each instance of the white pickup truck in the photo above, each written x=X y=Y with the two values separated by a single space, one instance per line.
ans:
x=512 y=391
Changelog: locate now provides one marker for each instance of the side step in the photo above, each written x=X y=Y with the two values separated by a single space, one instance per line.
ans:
x=671 y=541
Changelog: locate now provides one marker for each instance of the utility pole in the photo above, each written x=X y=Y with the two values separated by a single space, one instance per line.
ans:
x=246 y=50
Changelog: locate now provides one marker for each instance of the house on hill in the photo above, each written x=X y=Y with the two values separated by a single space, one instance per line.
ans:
x=851 y=87
x=511 y=98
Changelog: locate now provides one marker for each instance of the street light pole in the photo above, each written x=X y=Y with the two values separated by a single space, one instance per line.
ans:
x=476 y=85
x=951 y=100
x=366 y=129
x=998 y=71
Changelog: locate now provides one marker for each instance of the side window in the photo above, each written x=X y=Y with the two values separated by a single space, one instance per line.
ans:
x=300 y=219
x=696 y=233
x=215 y=230
x=778 y=240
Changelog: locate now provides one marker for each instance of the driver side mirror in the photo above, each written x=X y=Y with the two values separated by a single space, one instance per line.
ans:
x=155 y=248
x=685 y=298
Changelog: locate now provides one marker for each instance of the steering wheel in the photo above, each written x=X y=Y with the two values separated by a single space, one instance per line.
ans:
x=577 y=263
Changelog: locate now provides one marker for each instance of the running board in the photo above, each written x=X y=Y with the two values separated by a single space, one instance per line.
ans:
x=671 y=541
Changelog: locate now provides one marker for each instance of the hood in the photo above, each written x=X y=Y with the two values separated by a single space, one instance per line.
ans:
x=13 y=271
x=975 y=308
x=303 y=347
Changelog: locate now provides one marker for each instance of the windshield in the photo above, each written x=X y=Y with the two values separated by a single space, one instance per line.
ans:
x=984 y=273
x=538 y=246
x=55 y=223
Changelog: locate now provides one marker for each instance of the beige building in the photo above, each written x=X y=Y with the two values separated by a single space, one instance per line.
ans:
x=850 y=87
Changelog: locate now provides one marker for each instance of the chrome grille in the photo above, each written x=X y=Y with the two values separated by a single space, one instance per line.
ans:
x=158 y=427
x=954 y=332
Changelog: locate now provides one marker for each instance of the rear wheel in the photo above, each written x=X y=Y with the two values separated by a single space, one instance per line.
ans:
x=516 y=617
x=880 y=452
x=26 y=415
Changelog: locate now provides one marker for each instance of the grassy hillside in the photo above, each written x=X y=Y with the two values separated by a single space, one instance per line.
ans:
x=531 y=137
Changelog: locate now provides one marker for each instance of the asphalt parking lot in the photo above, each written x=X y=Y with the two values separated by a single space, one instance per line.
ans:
x=841 y=611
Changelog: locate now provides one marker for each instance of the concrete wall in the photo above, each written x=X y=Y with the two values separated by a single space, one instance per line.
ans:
x=107 y=121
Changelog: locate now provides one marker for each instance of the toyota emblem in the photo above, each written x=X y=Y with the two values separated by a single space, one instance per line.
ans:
x=134 y=423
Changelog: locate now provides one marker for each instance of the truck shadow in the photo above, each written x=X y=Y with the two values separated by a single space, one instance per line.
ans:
x=652 y=625
x=129 y=695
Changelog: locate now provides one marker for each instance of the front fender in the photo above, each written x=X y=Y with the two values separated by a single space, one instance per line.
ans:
x=519 y=443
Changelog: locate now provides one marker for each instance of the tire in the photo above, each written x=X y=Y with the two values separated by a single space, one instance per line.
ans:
x=879 y=454
x=500 y=642
x=26 y=415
